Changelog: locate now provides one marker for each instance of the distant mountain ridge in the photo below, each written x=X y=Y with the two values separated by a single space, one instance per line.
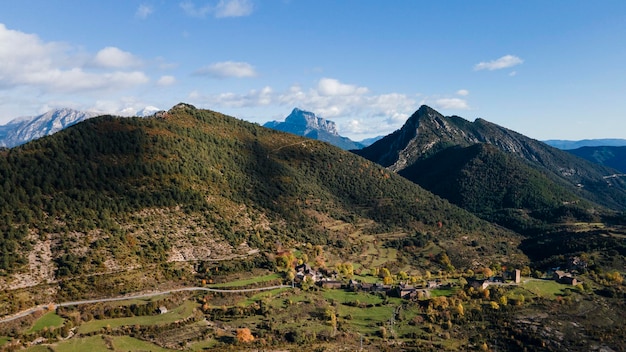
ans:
x=603 y=142
x=307 y=124
x=25 y=129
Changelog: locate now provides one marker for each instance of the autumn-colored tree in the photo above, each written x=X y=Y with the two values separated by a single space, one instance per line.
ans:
x=244 y=335
x=346 y=269
x=487 y=272
x=460 y=309
x=486 y=293
x=462 y=282
x=384 y=272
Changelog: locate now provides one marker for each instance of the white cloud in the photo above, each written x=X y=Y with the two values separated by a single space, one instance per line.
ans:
x=165 y=65
x=503 y=62
x=191 y=10
x=27 y=61
x=233 y=8
x=462 y=92
x=330 y=87
x=223 y=9
x=113 y=57
x=125 y=106
x=353 y=108
x=143 y=11
x=451 y=103
x=227 y=69
x=166 y=81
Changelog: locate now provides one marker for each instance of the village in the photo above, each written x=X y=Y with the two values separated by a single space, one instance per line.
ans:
x=305 y=275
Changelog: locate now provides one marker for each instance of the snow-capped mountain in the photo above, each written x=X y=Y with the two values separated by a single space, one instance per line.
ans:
x=147 y=111
x=23 y=129
x=306 y=124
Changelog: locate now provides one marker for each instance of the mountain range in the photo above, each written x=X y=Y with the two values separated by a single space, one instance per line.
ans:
x=603 y=142
x=24 y=129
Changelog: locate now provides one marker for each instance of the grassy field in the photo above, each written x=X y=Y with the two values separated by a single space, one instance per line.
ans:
x=448 y=292
x=48 y=320
x=246 y=282
x=259 y=296
x=180 y=312
x=343 y=297
x=127 y=343
x=203 y=345
x=365 y=320
x=100 y=343
x=40 y=348
x=91 y=344
x=545 y=288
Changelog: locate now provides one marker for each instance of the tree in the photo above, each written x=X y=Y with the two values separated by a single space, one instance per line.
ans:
x=384 y=272
x=487 y=272
x=244 y=335
x=460 y=309
x=462 y=282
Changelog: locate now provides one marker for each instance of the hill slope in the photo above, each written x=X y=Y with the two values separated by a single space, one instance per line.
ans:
x=112 y=193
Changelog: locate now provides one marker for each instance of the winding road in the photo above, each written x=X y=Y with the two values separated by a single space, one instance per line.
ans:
x=136 y=296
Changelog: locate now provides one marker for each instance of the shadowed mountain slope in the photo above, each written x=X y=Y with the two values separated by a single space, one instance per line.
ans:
x=487 y=169
x=614 y=157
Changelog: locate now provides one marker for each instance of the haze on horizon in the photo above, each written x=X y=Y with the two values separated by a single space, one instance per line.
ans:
x=549 y=70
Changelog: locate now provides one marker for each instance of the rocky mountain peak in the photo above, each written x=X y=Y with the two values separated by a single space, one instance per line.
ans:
x=307 y=124
x=308 y=121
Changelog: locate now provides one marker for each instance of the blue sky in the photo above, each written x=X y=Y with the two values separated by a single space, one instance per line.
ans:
x=547 y=69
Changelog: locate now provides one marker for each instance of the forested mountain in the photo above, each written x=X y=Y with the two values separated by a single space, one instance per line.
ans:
x=497 y=173
x=306 y=124
x=614 y=157
x=186 y=185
